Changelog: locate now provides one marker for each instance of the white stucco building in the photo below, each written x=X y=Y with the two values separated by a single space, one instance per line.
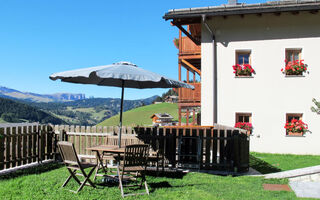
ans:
x=264 y=36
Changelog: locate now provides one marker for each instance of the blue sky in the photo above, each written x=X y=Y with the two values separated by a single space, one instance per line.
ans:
x=38 y=38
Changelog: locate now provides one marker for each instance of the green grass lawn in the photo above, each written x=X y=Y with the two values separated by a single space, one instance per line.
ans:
x=141 y=116
x=269 y=163
x=44 y=183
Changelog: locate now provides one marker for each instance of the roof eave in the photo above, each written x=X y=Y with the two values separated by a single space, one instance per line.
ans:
x=239 y=11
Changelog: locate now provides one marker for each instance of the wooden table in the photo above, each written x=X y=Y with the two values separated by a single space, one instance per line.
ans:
x=106 y=149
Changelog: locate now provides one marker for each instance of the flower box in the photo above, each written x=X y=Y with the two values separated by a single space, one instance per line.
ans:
x=295 y=134
x=244 y=125
x=244 y=70
x=296 y=127
x=294 y=68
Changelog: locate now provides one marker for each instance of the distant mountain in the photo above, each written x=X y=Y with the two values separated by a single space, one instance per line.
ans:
x=16 y=112
x=89 y=111
x=73 y=109
x=33 y=97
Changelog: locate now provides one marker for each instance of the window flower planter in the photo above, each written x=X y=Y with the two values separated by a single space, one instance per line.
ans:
x=244 y=70
x=294 y=68
x=244 y=125
x=295 y=134
x=296 y=127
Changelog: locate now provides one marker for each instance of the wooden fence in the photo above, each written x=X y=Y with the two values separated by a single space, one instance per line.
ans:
x=22 y=144
x=220 y=147
x=212 y=148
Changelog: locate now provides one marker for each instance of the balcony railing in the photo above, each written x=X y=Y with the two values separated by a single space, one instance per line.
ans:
x=188 y=95
x=186 y=46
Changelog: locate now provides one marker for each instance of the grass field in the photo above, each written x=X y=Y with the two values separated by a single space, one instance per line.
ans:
x=141 y=116
x=269 y=163
x=46 y=184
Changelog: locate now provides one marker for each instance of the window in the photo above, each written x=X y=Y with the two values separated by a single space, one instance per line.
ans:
x=293 y=55
x=295 y=128
x=243 y=57
x=243 y=117
x=243 y=121
x=291 y=116
x=243 y=67
x=294 y=65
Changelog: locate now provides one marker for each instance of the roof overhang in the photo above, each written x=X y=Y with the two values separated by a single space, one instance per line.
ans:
x=194 y=15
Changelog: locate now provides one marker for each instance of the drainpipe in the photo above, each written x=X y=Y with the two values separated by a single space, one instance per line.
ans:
x=215 y=120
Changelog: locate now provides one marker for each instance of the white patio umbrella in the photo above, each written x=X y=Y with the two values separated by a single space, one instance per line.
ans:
x=121 y=74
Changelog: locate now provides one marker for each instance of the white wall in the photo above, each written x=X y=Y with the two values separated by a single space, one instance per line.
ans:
x=269 y=95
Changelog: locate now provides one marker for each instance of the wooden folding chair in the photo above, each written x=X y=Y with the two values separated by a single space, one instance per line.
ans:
x=109 y=158
x=71 y=160
x=134 y=165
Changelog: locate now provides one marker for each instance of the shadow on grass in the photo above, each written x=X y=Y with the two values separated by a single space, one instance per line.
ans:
x=166 y=184
x=32 y=170
x=262 y=166
x=173 y=174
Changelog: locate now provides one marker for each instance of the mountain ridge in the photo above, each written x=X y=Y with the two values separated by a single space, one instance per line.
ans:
x=10 y=93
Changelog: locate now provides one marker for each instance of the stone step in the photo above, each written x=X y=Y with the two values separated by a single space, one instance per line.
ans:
x=295 y=172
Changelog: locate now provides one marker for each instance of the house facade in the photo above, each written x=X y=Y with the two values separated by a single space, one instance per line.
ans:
x=268 y=37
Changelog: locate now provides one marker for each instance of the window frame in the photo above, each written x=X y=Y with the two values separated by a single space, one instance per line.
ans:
x=294 y=115
x=299 y=117
x=291 y=51
x=243 y=52
x=239 y=52
x=245 y=114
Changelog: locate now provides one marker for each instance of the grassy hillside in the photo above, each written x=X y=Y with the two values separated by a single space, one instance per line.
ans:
x=16 y=112
x=141 y=116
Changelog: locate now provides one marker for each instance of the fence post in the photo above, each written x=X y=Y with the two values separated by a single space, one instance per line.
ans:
x=236 y=150
x=1 y=148
x=63 y=135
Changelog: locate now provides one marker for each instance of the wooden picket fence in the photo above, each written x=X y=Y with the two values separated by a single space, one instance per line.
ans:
x=22 y=144
x=220 y=147
x=213 y=148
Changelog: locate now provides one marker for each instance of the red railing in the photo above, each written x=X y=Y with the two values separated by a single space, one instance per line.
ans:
x=188 y=95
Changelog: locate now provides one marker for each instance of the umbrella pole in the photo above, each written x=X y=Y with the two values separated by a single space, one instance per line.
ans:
x=121 y=110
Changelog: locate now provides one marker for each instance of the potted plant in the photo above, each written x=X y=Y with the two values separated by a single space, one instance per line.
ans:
x=244 y=125
x=296 y=127
x=243 y=70
x=296 y=67
x=176 y=42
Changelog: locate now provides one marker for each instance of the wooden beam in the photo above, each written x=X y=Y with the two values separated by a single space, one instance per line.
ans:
x=179 y=116
x=188 y=78
x=179 y=71
x=193 y=117
x=190 y=56
x=187 y=122
x=197 y=42
x=191 y=66
x=194 y=77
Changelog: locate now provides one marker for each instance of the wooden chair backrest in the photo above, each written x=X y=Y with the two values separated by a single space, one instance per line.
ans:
x=136 y=155
x=68 y=153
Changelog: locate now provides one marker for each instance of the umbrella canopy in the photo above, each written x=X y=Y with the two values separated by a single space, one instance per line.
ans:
x=114 y=75
x=121 y=74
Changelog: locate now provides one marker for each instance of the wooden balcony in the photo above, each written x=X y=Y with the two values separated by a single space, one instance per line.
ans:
x=187 y=47
x=188 y=97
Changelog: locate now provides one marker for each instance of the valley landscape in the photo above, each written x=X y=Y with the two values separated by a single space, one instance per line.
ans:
x=66 y=108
